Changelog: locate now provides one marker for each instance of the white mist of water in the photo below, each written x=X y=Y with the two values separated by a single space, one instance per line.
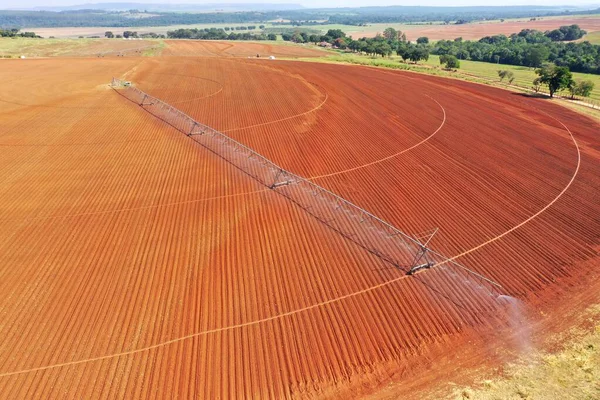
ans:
x=519 y=328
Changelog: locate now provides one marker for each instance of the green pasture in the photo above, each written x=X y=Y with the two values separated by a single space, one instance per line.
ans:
x=29 y=47
x=524 y=76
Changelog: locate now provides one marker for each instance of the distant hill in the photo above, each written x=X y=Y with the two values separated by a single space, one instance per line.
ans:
x=210 y=7
x=120 y=15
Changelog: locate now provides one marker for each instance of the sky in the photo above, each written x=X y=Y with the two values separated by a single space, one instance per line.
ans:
x=4 y=4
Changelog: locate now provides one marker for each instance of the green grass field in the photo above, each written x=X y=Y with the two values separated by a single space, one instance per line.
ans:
x=524 y=76
x=593 y=38
x=155 y=50
x=348 y=58
x=16 y=47
x=28 y=47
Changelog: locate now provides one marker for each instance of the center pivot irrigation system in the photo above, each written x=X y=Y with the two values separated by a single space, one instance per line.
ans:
x=370 y=232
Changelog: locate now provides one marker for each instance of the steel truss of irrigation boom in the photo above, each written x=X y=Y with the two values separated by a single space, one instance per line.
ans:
x=356 y=224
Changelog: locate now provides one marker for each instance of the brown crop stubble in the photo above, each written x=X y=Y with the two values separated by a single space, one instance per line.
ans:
x=474 y=31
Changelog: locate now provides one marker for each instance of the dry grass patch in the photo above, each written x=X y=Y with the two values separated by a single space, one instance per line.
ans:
x=571 y=373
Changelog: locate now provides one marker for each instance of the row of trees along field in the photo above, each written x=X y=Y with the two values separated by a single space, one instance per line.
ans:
x=558 y=78
x=243 y=28
x=217 y=34
x=553 y=75
x=529 y=47
x=383 y=45
x=16 y=33
x=555 y=78
x=134 y=34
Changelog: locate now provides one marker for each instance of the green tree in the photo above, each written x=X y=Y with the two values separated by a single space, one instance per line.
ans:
x=272 y=36
x=567 y=33
x=556 y=78
x=370 y=48
x=450 y=61
x=509 y=75
x=423 y=40
x=340 y=43
x=418 y=53
x=556 y=35
x=390 y=34
x=109 y=34
x=335 y=33
x=403 y=50
x=363 y=46
x=585 y=88
x=462 y=54
x=536 y=55
x=297 y=37
x=537 y=84
x=383 y=49
x=581 y=88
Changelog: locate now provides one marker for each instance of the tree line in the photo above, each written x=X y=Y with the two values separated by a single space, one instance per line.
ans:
x=529 y=48
x=558 y=78
x=133 y=34
x=14 y=32
x=243 y=28
x=555 y=77
x=348 y=16
x=217 y=34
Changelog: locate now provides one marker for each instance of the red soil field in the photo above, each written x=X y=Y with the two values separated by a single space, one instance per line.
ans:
x=214 y=48
x=134 y=263
x=481 y=29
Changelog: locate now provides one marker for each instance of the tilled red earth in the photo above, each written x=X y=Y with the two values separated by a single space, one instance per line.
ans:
x=135 y=263
x=475 y=31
